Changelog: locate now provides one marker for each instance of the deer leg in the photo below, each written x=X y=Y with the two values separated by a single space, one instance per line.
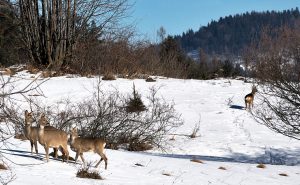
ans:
x=99 y=162
x=47 y=153
x=103 y=157
x=31 y=144
x=81 y=156
x=36 y=147
x=66 y=153
x=76 y=157
x=55 y=150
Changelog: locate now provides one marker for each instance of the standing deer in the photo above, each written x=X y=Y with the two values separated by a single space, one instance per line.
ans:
x=80 y=145
x=250 y=97
x=52 y=139
x=31 y=133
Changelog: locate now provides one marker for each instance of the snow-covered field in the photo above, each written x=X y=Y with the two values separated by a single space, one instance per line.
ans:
x=229 y=138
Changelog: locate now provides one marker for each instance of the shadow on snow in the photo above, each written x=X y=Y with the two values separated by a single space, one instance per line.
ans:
x=271 y=156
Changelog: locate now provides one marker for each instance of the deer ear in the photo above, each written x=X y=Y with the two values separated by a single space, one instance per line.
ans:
x=26 y=112
x=74 y=130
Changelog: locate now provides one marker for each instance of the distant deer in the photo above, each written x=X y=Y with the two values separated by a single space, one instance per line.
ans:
x=31 y=133
x=80 y=145
x=250 y=97
x=52 y=139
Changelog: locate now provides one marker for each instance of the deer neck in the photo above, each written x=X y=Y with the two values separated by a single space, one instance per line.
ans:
x=41 y=130
x=73 y=139
x=27 y=129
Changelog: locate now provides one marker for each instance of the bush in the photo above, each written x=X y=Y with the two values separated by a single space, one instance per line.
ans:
x=106 y=116
x=3 y=167
x=135 y=103
x=109 y=77
x=86 y=173
x=261 y=166
x=109 y=118
x=149 y=79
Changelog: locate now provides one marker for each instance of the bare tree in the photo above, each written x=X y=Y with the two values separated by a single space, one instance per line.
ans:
x=277 y=68
x=51 y=28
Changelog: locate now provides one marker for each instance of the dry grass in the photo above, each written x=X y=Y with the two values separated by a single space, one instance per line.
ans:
x=21 y=137
x=138 y=164
x=149 y=79
x=3 y=167
x=283 y=174
x=261 y=166
x=32 y=69
x=196 y=161
x=140 y=146
x=172 y=138
x=222 y=168
x=109 y=77
x=85 y=173
x=9 y=72
x=195 y=131
x=166 y=174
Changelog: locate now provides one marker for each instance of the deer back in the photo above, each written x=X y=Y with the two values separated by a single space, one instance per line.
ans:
x=52 y=138
x=88 y=144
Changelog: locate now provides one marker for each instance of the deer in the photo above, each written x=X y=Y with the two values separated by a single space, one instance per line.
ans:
x=52 y=139
x=31 y=133
x=80 y=145
x=250 y=97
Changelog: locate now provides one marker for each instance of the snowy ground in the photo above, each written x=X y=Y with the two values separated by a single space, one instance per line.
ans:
x=229 y=138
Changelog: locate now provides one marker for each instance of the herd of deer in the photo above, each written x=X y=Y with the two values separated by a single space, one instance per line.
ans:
x=50 y=137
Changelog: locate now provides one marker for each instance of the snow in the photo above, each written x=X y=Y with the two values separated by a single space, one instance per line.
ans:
x=229 y=137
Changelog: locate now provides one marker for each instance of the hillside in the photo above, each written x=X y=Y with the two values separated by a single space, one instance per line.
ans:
x=230 y=34
x=229 y=138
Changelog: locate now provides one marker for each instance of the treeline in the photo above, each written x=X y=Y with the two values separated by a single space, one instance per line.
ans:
x=88 y=45
x=231 y=34
x=70 y=37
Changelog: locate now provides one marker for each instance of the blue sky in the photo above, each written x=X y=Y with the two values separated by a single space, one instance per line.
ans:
x=177 y=16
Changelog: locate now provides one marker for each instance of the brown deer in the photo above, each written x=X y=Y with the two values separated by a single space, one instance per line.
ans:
x=80 y=145
x=31 y=133
x=52 y=139
x=250 y=97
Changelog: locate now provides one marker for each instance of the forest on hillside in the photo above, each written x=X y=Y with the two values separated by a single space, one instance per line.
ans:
x=70 y=37
x=231 y=34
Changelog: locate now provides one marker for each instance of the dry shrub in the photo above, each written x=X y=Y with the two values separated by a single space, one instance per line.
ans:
x=195 y=131
x=32 y=69
x=172 y=138
x=149 y=79
x=9 y=72
x=166 y=174
x=138 y=164
x=47 y=74
x=283 y=174
x=3 y=167
x=85 y=173
x=222 y=168
x=109 y=76
x=104 y=115
x=139 y=146
x=21 y=137
x=261 y=166
x=196 y=161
